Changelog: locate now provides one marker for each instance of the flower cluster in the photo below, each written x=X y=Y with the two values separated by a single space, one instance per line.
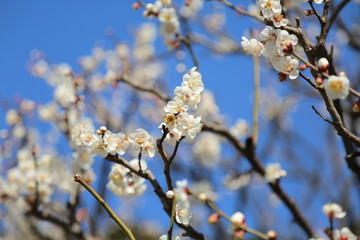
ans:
x=124 y=183
x=275 y=44
x=167 y=16
x=178 y=121
x=34 y=176
x=104 y=142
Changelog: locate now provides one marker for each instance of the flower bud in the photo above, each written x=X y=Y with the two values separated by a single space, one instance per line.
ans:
x=272 y=235
x=136 y=6
x=302 y=67
x=319 y=80
x=170 y=194
x=213 y=218
x=308 y=12
x=187 y=2
x=356 y=106
x=342 y=74
x=203 y=197
x=323 y=64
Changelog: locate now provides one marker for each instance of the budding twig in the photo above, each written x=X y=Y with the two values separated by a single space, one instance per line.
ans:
x=111 y=213
x=212 y=205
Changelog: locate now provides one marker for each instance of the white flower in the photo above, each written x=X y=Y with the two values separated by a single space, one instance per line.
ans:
x=48 y=112
x=176 y=106
x=82 y=131
x=333 y=210
x=252 y=47
x=165 y=237
x=240 y=129
x=124 y=183
x=188 y=124
x=344 y=234
x=274 y=172
x=270 y=7
x=139 y=138
x=319 y=1
x=285 y=42
x=12 y=117
x=193 y=80
x=167 y=15
x=188 y=96
x=279 y=20
x=168 y=29
x=181 y=191
x=287 y=65
x=115 y=142
x=182 y=213
x=337 y=87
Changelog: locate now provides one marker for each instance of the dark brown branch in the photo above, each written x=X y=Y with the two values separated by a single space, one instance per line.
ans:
x=258 y=167
x=167 y=203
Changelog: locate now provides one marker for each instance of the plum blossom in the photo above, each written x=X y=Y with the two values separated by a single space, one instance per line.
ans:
x=344 y=234
x=337 y=87
x=124 y=183
x=279 y=20
x=193 y=80
x=270 y=7
x=165 y=237
x=182 y=213
x=274 y=172
x=333 y=210
x=285 y=42
x=286 y=65
x=115 y=142
x=252 y=46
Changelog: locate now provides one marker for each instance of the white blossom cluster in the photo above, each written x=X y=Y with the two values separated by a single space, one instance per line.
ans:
x=124 y=183
x=104 y=142
x=33 y=177
x=167 y=16
x=178 y=120
x=334 y=210
x=274 y=44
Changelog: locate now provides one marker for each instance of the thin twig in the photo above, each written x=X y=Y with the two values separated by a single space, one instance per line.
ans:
x=212 y=205
x=111 y=213
x=324 y=118
x=256 y=100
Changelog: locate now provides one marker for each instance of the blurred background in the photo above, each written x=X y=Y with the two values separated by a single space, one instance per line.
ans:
x=291 y=133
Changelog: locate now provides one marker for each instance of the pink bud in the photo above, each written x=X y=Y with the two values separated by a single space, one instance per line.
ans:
x=213 y=218
x=308 y=12
x=187 y=2
x=136 y=6
x=319 y=80
x=302 y=67
x=356 y=106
